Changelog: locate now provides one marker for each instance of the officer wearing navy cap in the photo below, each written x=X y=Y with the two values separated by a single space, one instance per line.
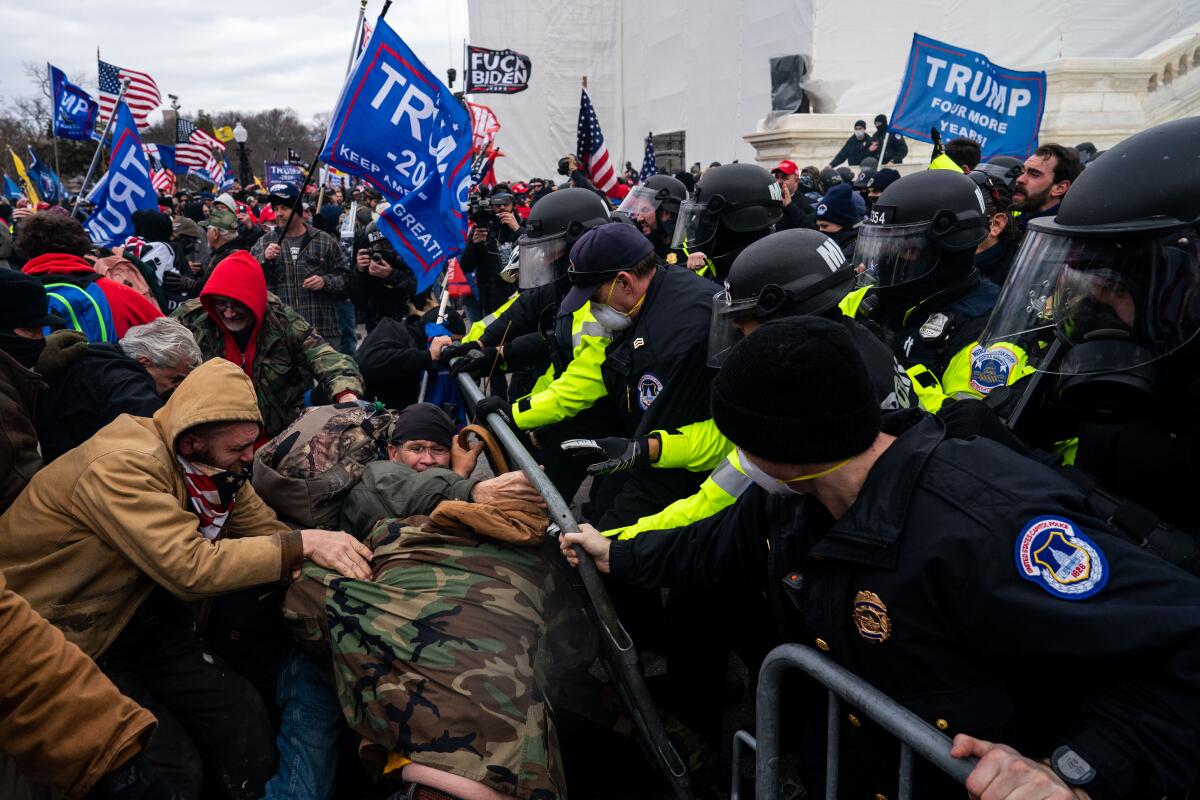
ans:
x=655 y=371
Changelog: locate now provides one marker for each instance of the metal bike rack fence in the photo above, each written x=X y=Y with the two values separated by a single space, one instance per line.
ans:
x=915 y=735
x=621 y=659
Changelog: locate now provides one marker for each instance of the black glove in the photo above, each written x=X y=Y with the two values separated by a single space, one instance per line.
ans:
x=609 y=455
x=458 y=350
x=178 y=283
x=478 y=362
x=498 y=405
x=970 y=417
x=133 y=780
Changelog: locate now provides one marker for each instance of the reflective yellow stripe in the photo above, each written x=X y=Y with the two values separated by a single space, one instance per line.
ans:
x=730 y=478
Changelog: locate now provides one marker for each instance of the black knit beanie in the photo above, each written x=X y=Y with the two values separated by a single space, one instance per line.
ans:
x=424 y=422
x=796 y=391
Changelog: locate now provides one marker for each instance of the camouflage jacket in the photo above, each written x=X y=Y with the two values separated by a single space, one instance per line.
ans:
x=289 y=351
x=435 y=657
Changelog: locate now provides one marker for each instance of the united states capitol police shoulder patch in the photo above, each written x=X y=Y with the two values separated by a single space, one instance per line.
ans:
x=991 y=368
x=1054 y=554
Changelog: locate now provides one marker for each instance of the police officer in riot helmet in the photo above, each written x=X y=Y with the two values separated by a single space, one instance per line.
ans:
x=733 y=205
x=918 y=249
x=1110 y=287
x=793 y=273
x=523 y=335
x=653 y=206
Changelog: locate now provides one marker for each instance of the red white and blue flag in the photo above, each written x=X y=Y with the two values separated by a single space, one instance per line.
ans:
x=142 y=96
x=591 y=149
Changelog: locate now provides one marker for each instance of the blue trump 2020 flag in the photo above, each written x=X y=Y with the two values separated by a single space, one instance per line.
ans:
x=400 y=129
x=48 y=186
x=127 y=186
x=962 y=93
x=74 y=109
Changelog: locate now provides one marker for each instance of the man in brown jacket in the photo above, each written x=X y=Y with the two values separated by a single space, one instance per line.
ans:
x=109 y=539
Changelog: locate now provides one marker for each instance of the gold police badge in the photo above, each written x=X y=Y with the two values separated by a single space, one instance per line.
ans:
x=871 y=617
x=672 y=258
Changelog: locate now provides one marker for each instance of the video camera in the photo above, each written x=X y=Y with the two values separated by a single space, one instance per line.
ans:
x=480 y=211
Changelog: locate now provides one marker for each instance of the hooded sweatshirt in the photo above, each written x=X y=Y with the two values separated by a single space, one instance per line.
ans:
x=98 y=529
x=238 y=277
x=129 y=308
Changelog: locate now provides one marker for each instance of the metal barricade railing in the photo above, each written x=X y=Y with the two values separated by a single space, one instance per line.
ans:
x=620 y=656
x=915 y=735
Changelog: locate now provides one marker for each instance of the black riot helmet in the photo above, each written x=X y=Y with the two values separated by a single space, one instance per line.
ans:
x=786 y=274
x=655 y=198
x=555 y=222
x=1003 y=168
x=1115 y=275
x=920 y=235
x=734 y=198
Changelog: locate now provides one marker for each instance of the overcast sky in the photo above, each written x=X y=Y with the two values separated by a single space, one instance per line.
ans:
x=244 y=55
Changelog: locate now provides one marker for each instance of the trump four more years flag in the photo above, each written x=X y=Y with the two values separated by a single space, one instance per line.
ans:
x=127 y=187
x=399 y=128
x=962 y=93
x=74 y=109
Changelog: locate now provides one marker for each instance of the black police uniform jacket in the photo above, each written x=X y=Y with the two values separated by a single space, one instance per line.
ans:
x=967 y=583
x=657 y=377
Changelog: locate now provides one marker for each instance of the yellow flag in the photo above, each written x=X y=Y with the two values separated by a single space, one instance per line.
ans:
x=224 y=133
x=30 y=192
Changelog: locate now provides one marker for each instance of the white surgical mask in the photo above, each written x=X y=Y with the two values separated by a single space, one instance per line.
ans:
x=859 y=134
x=610 y=318
x=775 y=485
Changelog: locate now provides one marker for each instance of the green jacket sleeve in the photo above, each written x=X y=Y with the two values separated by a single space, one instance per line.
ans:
x=390 y=490
x=719 y=491
x=695 y=447
x=578 y=388
x=335 y=371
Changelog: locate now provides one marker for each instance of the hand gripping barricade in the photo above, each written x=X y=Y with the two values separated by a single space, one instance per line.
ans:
x=914 y=734
x=618 y=653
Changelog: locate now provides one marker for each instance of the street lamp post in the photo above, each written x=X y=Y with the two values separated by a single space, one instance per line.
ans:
x=240 y=135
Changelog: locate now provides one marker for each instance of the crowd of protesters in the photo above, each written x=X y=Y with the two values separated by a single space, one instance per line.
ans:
x=249 y=547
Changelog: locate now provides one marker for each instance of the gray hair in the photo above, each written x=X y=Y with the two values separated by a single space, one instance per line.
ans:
x=164 y=341
x=224 y=236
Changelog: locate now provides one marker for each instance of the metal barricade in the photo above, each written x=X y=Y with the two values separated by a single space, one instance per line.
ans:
x=620 y=657
x=915 y=735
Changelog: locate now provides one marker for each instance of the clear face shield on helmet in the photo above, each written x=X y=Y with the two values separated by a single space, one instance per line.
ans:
x=696 y=225
x=642 y=202
x=1136 y=294
x=894 y=255
x=723 y=331
x=538 y=260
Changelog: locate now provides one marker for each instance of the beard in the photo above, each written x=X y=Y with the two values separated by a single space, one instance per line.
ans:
x=1032 y=202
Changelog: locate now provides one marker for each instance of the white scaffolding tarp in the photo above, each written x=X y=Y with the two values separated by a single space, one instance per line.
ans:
x=703 y=66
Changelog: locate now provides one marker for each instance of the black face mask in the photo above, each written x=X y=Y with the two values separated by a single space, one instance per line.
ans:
x=1114 y=396
x=25 y=351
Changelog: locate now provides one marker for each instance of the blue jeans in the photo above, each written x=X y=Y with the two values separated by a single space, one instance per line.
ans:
x=308 y=733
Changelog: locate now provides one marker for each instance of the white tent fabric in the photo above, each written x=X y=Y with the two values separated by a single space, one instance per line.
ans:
x=703 y=66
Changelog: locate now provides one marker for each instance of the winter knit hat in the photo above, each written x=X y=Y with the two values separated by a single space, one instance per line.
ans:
x=796 y=391
x=423 y=422
x=838 y=206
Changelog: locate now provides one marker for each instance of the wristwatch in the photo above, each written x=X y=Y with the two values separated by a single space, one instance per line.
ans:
x=1073 y=768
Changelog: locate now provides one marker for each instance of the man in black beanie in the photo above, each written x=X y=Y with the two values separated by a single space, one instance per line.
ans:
x=425 y=465
x=962 y=579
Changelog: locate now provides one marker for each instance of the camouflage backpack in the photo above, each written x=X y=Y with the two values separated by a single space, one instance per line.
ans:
x=306 y=471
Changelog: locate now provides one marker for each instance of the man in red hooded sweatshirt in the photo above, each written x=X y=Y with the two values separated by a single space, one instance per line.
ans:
x=53 y=246
x=237 y=319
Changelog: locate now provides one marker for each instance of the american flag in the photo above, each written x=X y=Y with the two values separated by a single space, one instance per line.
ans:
x=192 y=147
x=649 y=166
x=163 y=181
x=591 y=149
x=142 y=96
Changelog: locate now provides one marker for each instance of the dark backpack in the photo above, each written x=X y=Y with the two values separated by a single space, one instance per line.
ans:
x=82 y=303
x=307 y=470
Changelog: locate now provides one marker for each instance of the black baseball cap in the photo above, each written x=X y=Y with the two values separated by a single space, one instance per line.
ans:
x=597 y=256
x=23 y=302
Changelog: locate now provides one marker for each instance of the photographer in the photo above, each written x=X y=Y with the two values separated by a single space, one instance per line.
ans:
x=382 y=285
x=495 y=230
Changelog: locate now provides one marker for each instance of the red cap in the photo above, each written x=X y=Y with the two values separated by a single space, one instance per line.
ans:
x=787 y=168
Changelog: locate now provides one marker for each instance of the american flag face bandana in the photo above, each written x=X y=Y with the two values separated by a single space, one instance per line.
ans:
x=212 y=492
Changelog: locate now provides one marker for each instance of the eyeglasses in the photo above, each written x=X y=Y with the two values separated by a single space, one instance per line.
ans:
x=414 y=449
x=221 y=305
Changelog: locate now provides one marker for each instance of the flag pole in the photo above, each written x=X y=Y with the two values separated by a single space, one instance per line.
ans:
x=100 y=145
x=358 y=26
x=53 y=118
